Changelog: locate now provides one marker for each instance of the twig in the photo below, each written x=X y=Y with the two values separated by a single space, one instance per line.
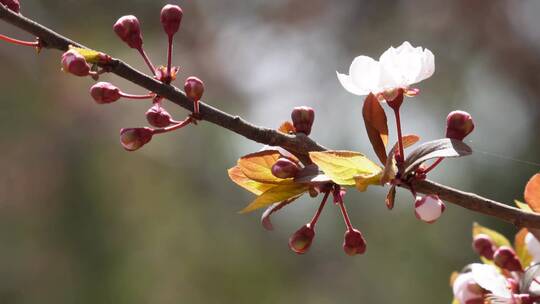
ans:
x=299 y=144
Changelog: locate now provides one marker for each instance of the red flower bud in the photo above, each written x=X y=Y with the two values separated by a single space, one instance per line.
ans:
x=301 y=240
x=12 y=5
x=104 y=92
x=134 y=138
x=158 y=117
x=74 y=63
x=483 y=246
x=303 y=118
x=506 y=258
x=171 y=16
x=428 y=208
x=459 y=124
x=354 y=243
x=285 y=168
x=194 y=88
x=128 y=29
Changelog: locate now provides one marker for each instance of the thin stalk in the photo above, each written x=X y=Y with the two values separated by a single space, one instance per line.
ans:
x=344 y=213
x=400 y=136
x=174 y=127
x=169 y=56
x=319 y=211
x=132 y=96
x=147 y=61
x=437 y=162
x=19 y=42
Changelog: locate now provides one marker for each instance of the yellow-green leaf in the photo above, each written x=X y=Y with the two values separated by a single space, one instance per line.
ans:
x=343 y=166
x=523 y=206
x=521 y=248
x=89 y=55
x=276 y=194
x=455 y=301
x=364 y=180
x=497 y=238
x=258 y=167
x=237 y=176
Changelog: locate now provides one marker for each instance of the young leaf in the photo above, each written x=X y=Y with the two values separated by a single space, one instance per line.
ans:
x=287 y=128
x=362 y=181
x=523 y=206
x=390 y=168
x=391 y=197
x=532 y=193
x=521 y=248
x=343 y=166
x=444 y=147
x=376 y=125
x=89 y=55
x=266 y=222
x=276 y=194
x=497 y=238
x=258 y=167
x=237 y=176
x=311 y=174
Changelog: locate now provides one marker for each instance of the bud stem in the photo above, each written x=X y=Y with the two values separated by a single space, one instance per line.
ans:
x=435 y=164
x=132 y=96
x=19 y=42
x=177 y=126
x=400 y=137
x=147 y=60
x=319 y=211
x=169 y=57
x=344 y=213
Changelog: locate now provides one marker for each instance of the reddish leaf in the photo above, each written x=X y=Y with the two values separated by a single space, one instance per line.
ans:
x=390 y=198
x=287 y=128
x=376 y=126
x=532 y=193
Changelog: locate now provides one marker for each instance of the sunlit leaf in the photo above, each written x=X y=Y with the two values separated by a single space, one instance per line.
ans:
x=445 y=147
x=532 y=193
x=497 y=238
x=362 y=181
x=258 y=167
x=376 y=125
x=390 y=168
x=311 y=174
x=287 y=128
x=523 y=206
x=276 y=194
x=266 y=222
x=521 y=248
x=455 y=301
x=237 y=176
x=343 y=166
x=89 y=55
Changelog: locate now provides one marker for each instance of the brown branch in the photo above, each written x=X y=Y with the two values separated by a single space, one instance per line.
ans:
x=299 y=144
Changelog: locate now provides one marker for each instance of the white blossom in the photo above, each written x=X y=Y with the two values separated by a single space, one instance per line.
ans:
x=533 y=246
x=397 y=68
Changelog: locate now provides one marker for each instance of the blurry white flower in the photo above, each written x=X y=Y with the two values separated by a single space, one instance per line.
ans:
x=465 y=288
x=533 y=246
x=397 y=68
x=469 y=286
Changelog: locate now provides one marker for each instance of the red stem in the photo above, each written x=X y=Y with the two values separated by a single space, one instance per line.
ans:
x=19 y=42
x=174 y=127
x=169 y=56
x=344 y=213
x=132 y=96
x=438 y=161
x=147 y=60
x=321 y=206
x=400 y=137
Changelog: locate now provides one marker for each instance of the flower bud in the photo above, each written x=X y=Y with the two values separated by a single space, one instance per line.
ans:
x=194 y=88
x=303 y=118
x=459 y=124
x=506 y=258
x=104 y=92
x=12 y=5
x=74 y=63
x=171 y=16
x=428 y=208
x=285 y=168
x=158 y=117
x=301 y=240
x=483 y=246
x=128 y=29
x=354 y=243
x=134 y=138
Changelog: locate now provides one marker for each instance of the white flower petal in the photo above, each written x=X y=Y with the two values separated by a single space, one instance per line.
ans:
x=533 y=246
x=461 y=288
x=365 y=73
x=403 y=63
x=428 y=66
x=348 y=84
x=488 y=278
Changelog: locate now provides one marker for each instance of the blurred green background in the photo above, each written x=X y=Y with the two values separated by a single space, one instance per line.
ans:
x=83 y=221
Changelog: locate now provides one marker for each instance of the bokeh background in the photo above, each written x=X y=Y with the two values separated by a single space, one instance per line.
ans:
x=83 y=221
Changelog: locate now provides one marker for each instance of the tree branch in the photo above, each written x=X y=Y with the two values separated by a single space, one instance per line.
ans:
x=298 y=144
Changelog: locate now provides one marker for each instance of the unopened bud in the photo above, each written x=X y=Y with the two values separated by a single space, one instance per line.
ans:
x=285 y=168
x=194 y=88
x=428 y=208
x=171 y=16
x=354 y=243
x=104 y=92
x=301 y=240
x=483 y=246
x=74 y=63
x=303 y=118
x=459 y=124
x=128 y=29
x=134 y=138
x=12 y=5
x=506 y=258
x=158 y=117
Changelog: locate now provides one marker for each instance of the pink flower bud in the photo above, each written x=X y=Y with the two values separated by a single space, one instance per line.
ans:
x=506 y=258
x=104 y=92
x=158 y=117
x=354 y=243
x=12 y=5
x=74 y=63
x=459 y=124
x=194 y=88
x=129 y=30
x=285 y=168
x=134 y=138
x=428 y=208
x=303 y=118
x=171 y=16
x=301 y=240
x=483 y=246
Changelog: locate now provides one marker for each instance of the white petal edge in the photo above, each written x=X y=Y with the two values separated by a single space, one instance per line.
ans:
x=488 y=278
x=348 y=84
x=365 y=73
